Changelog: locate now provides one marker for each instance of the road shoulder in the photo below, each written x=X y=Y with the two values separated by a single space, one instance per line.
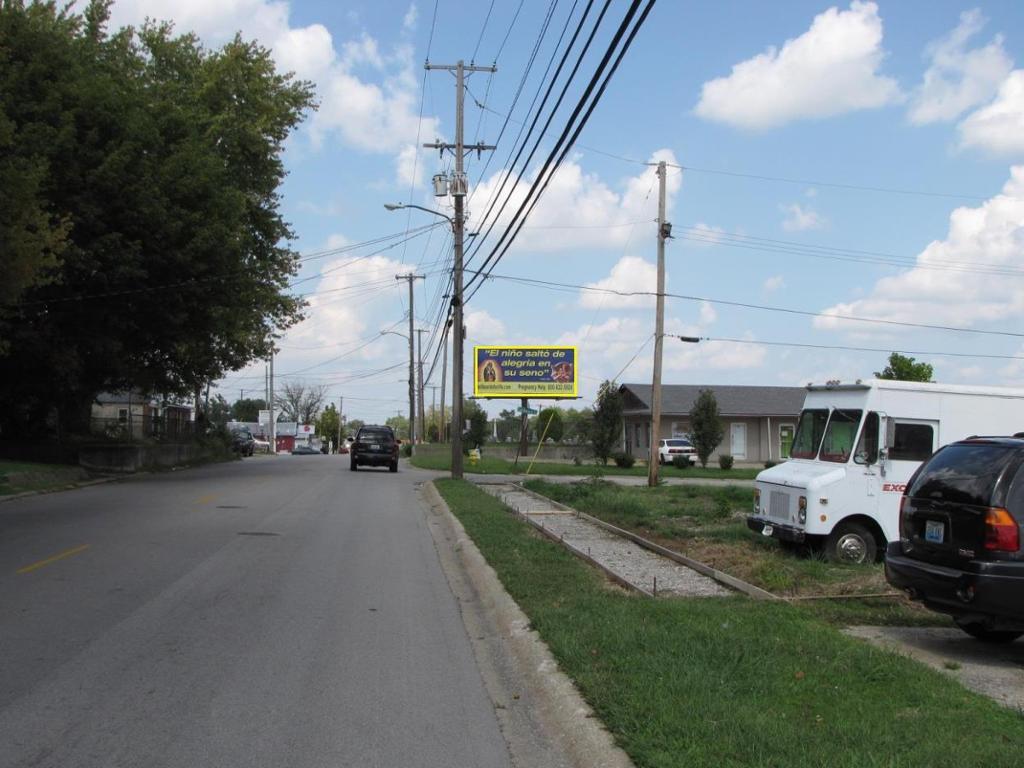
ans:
x=543 y=718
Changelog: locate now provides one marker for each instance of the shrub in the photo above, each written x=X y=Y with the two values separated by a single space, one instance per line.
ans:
x=769 y=464
x=624 y=460
x=681 y=462
x=407 y=450
x=725 y=461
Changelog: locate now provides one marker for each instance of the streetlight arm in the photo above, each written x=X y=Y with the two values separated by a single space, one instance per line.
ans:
x=400 y=206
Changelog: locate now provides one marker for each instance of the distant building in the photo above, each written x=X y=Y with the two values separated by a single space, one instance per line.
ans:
x=136 y=416
x=758 y=422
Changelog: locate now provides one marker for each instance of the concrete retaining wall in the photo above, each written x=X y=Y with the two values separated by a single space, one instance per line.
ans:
x=131 y=458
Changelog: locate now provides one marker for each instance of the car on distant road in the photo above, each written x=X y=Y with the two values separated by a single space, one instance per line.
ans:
x=242 y=441
x=669 y=448
x=374 y=446
x=960 y=533
x=304 y=450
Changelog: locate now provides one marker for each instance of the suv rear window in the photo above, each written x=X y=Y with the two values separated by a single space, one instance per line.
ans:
x=964 y=473
x=381 y=435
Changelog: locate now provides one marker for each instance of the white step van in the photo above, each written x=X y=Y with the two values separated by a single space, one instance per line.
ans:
x=855 y=448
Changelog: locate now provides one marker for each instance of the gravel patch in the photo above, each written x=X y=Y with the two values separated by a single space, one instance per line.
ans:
x=630 y=562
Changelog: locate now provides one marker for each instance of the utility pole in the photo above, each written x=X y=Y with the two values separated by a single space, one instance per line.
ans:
x=433 y=403
x=412 y=362
x=341 y=407
x=444 y=378
x=270 y=405
x=459 y=188
x=664 y=232
x=419 y=354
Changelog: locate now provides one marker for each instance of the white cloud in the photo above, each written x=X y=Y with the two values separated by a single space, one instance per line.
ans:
x=409 y=20
x=958 y=79
x=773 y=284
x=829 y=70
x=981 y=239
x=376 y=110
x=630 y=273
x=799 y=219
x=483 y=328
x=708 y=315
x=999 y=127
x=579 y=210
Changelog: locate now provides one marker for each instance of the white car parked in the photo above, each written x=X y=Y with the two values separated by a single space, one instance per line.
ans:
x=674 y=446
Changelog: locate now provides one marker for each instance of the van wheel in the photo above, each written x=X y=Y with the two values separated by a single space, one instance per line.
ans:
x=981 y=632
x=851 y=543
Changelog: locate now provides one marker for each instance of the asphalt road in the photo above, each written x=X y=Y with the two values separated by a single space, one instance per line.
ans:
x=280 y=611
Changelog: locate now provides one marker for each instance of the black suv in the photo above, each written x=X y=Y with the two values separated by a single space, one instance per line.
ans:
x=959 y=550
x=375 y=446
x=242 y=441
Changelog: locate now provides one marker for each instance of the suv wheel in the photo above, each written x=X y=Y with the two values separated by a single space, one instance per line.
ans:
x=980 y=632
x=353 y=464
x=851 y=543
x=393 y=466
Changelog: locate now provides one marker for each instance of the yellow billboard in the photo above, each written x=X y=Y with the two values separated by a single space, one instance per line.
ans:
x=525 y=371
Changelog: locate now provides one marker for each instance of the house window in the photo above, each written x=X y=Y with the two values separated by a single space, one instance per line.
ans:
x=785 y=440
x=122 y=415
x=639 y=436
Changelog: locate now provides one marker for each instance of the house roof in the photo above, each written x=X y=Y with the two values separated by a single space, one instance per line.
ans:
x=733 y=400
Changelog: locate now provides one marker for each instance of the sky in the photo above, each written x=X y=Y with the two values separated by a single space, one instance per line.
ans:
x=856 y=160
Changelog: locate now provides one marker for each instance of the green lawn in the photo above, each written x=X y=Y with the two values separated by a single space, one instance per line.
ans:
x=708 y=523
x=19 y=476
x=494 y=466
x=732 y=682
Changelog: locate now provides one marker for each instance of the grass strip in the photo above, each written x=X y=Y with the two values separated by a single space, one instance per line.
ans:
x=20 y=476
x=732 y=682
x=489 y=465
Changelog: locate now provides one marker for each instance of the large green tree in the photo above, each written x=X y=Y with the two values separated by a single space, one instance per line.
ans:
x=706 y=428
x=550 y=420
x=146 y=230
x=902 y=368
x=606 y=428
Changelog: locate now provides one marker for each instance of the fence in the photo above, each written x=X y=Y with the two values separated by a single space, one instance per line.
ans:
x=142 y=427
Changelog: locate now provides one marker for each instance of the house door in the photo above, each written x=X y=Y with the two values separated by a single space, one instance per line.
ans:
x=785 y=440
x=738 y=440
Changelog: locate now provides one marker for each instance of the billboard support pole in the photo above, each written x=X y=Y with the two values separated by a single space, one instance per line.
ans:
x=524 y=424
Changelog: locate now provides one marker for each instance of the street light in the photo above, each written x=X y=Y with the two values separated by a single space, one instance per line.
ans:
x=457 y=223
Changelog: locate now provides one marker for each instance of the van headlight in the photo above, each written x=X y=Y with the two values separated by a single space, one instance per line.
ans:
x=801 y=509
x=757 y=501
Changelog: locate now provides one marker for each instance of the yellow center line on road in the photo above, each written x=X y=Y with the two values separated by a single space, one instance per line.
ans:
x=207 y=498
x=55 y=558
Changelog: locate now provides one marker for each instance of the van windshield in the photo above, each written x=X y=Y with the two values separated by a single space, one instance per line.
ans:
x=839 y=435
x=809 y=432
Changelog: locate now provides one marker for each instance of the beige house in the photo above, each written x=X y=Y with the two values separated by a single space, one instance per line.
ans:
x=758 y=422
x=131 y=415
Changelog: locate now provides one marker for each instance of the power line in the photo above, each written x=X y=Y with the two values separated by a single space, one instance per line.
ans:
x=496 y=255
x=847 y=348
x=556 y=286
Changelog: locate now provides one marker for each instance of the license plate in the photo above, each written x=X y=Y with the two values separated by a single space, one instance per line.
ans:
x=374 y=447
x=934 y=531
x=767 y=530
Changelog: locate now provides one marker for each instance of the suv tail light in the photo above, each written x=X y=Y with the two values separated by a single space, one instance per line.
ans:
x=906 y=518
x=1001 y=531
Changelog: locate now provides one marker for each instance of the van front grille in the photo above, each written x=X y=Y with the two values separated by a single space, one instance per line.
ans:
x=778 y=506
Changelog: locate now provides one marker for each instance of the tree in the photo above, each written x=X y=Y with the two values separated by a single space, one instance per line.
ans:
x=706 y=425
x=144 y=228
x=508 y=425
x=300 y=402
x=248 y=409
x=218 y=411
x=606 y=432
x=328 y=423
x=353 y=426
x=578 y=426
x=476 y=435
x=556 y=427
x=401 y=426
x=901 y=368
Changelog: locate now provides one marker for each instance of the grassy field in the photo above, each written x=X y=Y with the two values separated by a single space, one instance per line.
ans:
x=494 y=466
x=732 y=682
x=18 y=477
x=709 y=525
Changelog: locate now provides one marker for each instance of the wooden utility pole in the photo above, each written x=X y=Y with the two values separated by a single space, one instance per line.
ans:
x=459 y=188
x=664 y=231
x=444 y=378
x=412 y=358
x=419 y=354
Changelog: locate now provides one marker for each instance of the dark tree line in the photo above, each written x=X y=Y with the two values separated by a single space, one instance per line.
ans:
x=140 y=238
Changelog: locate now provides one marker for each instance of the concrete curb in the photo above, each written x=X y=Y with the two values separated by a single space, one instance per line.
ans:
x=557 y=706
x=70 y=487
